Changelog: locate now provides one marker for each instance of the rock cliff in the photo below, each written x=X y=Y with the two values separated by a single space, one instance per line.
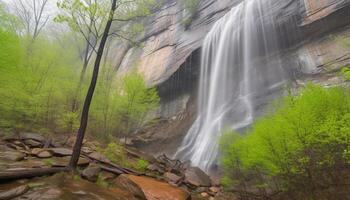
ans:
x=170 y=55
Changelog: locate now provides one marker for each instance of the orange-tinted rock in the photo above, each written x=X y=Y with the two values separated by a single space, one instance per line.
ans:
x=127 y=184
x=155 y=190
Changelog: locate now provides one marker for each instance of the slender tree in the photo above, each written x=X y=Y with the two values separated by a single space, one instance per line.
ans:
x=33 y=16
x=85 y=113
x=86 y=18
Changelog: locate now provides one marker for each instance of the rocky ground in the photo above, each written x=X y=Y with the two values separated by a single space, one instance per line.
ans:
x=97 y=177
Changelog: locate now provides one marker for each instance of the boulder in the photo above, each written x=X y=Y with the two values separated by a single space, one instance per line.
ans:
x=214 y=189
x=36 y=151
x=107 y=176
x=10 y=137
x=196 y=177
x=87 y=150
x=91 y=173
x=155 y=167
x=44 y=154
x=99 y=157
x=155 y=190
x=12 y=155
x=64 y=161
x=33 y=143
x=125 y=183
x=173 y=178
x=61 y=151
x=13 y=193
x=32 y=136
x=204 y=194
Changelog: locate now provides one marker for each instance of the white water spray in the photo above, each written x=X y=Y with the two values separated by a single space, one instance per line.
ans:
x=240 y=71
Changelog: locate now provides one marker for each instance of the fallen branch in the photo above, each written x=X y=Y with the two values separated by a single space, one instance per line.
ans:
x=29 y=173
x=112 y=170
x=118 y=168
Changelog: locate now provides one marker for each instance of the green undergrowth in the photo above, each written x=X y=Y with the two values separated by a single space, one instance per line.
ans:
x=117 y=154
x=302 y=146
x=345 y=73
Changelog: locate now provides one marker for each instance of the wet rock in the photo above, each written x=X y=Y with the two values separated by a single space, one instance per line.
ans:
x=15 y=192
x=36 y=151
x=32 y=136
x=214 y=189
x=12 y=155
x=44 y=154
x=197 y=177
x=51 y=193
x=201 y=189
x=155 y=167
x=33 y=143
x=216 y=181
x=86 y=150
x=61 y=151
x=155 y=190
x=91 y=173
x=204 y=194
x=173 y=178
x=125 y=183
x=19 y=146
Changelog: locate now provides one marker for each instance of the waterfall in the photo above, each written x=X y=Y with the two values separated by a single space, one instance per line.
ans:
x=240 y=72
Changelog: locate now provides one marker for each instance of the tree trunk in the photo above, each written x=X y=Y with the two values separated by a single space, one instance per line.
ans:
x=85 y=113
x=29 y=173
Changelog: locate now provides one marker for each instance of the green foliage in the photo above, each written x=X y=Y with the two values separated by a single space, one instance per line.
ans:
x=191 y=6
x=345 y=73
x=77 y=177
x=7 y=20
x=117 y=154
x=38 y=78
x=135 y=102
x=101 y=182
x=141 y=164
x=41 y=90
x=123 y=106
x=48 y=161
x=343 y=41
x=305 y=136
x=114 y=152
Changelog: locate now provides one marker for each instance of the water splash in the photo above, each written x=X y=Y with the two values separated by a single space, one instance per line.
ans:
x=240 y=70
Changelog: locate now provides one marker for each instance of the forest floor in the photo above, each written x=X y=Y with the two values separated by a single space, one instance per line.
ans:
x=97 y=177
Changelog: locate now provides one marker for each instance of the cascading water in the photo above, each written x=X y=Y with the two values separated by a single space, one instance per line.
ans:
x=240 y=71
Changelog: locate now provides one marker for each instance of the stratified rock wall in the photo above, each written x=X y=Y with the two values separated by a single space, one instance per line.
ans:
x=164 y=56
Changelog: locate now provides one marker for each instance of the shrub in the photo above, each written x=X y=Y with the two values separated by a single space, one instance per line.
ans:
x=114 y=152
x=191 y=6
x=141 y=164
x=345 y=73
x=302 y=145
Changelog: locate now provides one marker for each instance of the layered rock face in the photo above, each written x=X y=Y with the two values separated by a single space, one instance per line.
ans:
x=170 y=57
x=165 y=59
